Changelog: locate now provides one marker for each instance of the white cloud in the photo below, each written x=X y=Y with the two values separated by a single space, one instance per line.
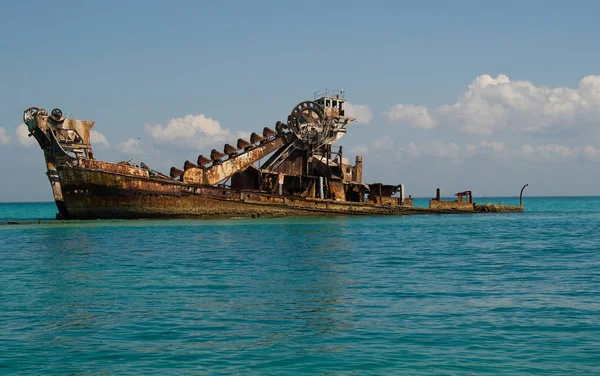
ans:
x=411 y=115
x=194 y=131
x=23 y=136
x=490 y=149
x=4 y=137
x=361 y=112
x=383 y=144
x=433 y=148
x=492 y=145
x=550 y=152
x=470 y=148
x=240 y=134
x=590 y=151
x=498 y=104
x=98 y=140
x=132 y=146
x=360 y=150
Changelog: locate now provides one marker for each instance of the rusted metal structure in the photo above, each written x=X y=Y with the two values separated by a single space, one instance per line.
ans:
x=468 y=196
x=464 y=202
x=521 y=195
x=303 y=173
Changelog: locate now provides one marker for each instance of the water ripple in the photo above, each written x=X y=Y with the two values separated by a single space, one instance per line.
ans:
x=491 y=294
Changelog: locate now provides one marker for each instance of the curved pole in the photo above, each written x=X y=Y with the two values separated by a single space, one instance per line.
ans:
x=521 y=196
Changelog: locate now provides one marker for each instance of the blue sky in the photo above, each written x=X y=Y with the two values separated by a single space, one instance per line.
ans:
x=462 y=95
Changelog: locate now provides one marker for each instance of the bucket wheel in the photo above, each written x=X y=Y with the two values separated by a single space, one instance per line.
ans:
x=307 y=120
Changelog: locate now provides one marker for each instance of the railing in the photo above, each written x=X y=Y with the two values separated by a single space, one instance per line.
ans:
x=331 y=93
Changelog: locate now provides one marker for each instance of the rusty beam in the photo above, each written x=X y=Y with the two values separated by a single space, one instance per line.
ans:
x=225 y=169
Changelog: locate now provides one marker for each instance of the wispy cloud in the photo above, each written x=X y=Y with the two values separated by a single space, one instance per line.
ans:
x=359 y=150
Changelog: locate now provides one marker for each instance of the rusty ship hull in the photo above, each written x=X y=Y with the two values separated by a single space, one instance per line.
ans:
x=92 y=192
x=302 y=174
x=134 y=197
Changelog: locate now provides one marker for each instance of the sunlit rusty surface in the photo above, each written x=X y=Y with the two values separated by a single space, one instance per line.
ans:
x=109 y=195
x=118 y=168
x=219 y=172
x=301 y=175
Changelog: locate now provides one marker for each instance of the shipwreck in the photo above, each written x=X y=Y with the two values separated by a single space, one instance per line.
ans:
x=302 y=174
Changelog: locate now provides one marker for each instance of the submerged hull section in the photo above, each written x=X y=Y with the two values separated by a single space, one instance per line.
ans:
x=92 y=194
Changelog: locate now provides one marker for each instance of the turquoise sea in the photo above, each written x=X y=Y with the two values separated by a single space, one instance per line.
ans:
x=418 y=295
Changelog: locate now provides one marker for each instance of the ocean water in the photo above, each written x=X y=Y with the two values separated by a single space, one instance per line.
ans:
x=418 y=295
